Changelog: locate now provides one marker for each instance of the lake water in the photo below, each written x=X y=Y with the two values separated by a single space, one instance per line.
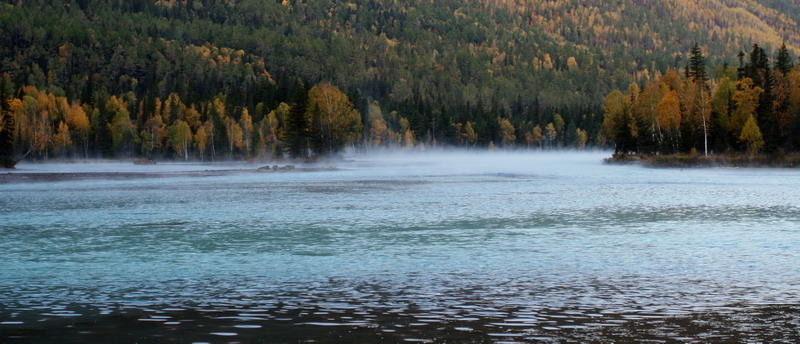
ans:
x=511 y=246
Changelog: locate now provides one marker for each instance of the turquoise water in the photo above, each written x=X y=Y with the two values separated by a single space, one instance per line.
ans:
x=480 y=232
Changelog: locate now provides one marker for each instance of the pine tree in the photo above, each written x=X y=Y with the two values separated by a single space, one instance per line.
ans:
x=766 y=119
x=297 y=125
x=784 y=62
x=697 y=65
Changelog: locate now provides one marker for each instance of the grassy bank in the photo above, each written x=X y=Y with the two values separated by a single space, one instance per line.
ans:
x=715 y=160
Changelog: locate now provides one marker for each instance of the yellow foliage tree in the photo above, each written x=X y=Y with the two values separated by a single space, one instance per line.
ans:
x=470 y=133
x=246 y=123
x=751 y=135
x=746 y=99
x=507 y=132
x=62 y=140
x=334 y=121
x=235 y=135
x=669 y=118
x=698 y=105
x=536 y=135
x=201 y=137
x=180 y=138
x=551 y=133
x=580 y=143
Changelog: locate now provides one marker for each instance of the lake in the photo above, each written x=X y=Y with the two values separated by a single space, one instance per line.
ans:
x=479 y=246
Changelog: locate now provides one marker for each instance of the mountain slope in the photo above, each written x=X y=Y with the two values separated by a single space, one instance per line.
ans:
x=433 y=62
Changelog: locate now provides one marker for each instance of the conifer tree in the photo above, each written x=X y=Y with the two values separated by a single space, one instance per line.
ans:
x=783 y=63
x=6 y=123
x=697 y=65
x=295 y=134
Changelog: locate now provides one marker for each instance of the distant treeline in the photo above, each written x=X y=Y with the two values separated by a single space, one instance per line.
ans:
x=754 y=107
x=312 y=122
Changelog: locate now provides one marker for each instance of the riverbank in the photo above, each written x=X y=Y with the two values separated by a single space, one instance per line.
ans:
x=120 y=170
x=701 y=161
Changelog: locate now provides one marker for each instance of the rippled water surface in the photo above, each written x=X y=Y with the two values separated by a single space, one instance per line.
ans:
x=507 y=241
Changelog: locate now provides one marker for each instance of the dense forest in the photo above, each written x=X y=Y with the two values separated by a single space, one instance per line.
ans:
x=752 y=107
x=213 y=79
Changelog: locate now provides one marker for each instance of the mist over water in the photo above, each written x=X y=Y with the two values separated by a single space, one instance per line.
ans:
x=474 y=232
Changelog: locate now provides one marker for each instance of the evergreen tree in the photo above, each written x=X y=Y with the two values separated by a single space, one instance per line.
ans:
x=697 y=65
x=297 y=124
x=6 y=123
x=784 y=62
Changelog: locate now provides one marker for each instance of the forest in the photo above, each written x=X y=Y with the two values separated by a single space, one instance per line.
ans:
x=753 y=107
x=249 y=79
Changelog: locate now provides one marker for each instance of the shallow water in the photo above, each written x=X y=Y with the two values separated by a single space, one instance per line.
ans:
x=514 y=239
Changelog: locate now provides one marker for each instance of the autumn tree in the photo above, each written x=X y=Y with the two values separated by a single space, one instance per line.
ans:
x=271 y=128
x=79 y=124
x=470 y=133
x=180 y=138
x=235 y=135
x=645 y=116
x=669 y=117
x=507 y=132
x=408 y=135
x=580 y=143
x=698 y=107
x=334 y=121
x=537 y=136
x=62 y=140
x=379 y=132
x=201 y=138
x=550 y=133
x=751 y=135
x=246 y=124
x=746 y=100
x=616 y=124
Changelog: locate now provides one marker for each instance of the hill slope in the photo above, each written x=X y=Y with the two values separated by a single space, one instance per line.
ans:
x=433 y=62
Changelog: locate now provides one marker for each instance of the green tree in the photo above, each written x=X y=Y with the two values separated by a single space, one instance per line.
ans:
x=6 y=122
x=558 y=123
x=697 y=66
x=722 y=105
x=296 y=130
x=121 y=128
x=784 y=62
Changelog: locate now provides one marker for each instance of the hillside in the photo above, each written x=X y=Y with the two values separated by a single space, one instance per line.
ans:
x=424 y=67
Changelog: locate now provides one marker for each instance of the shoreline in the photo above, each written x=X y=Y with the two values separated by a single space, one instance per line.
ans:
x=709 y=161
x=8 y=176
